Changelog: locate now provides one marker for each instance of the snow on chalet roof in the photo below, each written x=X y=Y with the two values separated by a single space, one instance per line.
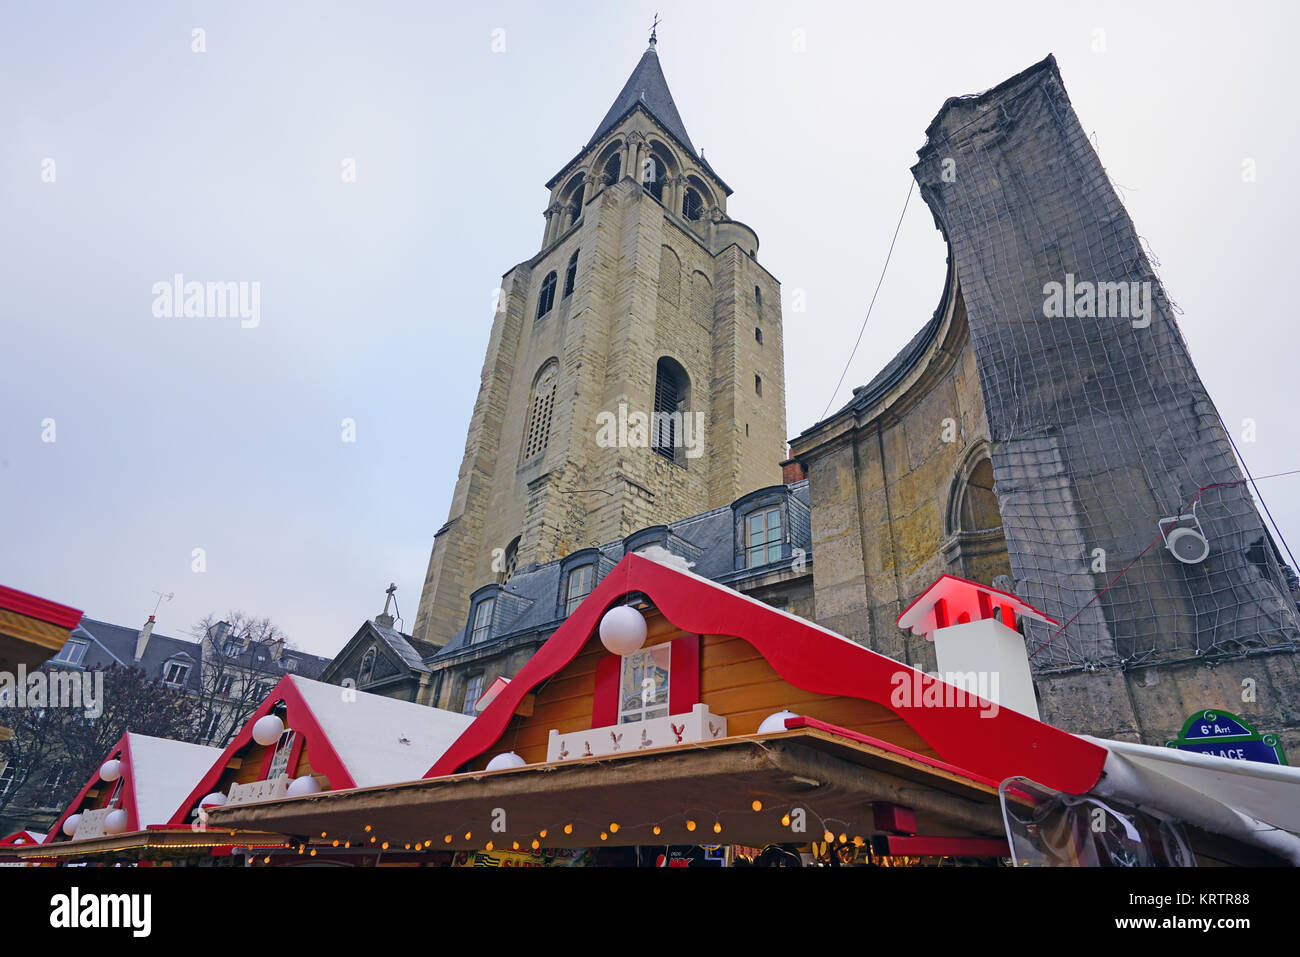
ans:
x=380 y=740
x=164 y=772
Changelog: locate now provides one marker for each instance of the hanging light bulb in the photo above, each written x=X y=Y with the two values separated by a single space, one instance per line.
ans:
x=267 y=729
x=757 y=805
x=568 y=829
x=785 y=820
x=110 y=770
x=690 y=825
x=623 y=630
x=657 y=829
x=717 y=827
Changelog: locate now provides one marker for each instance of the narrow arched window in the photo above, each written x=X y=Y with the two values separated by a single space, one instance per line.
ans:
x=652 y=176
x=758 y=386
x=692 y=205
x=613 y=169
x=547 y=297
x=570 y=274
x=979 y=503
x=574 y=204
x=758 y=335
x=758 y=301
x=671 y=397
x=539 y=411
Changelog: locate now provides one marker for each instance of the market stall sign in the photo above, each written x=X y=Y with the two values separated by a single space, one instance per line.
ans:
x=1227 y=736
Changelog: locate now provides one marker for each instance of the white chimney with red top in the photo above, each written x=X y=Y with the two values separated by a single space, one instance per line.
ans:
x=976 y=646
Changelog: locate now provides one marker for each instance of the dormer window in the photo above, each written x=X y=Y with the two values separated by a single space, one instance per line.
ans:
x=482 y=625
x=764 y=536
x=71 y=653
x=578 y=587
x=175 y=673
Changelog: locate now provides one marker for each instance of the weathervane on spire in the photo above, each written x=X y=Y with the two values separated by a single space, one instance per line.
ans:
x=653 y=38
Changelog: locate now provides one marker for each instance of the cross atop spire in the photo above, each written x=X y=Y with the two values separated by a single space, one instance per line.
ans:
x=647 y=87
x=657 y=21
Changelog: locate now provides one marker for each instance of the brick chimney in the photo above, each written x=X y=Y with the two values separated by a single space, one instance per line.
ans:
x=792 y=470
x=142 y=640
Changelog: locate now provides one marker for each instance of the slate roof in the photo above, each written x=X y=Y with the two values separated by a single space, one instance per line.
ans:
x=647 y=87
x=115 y=644
x=530 y=601
x=411 y=650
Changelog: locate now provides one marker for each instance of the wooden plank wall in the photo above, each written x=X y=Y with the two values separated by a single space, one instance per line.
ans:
x=736 y=682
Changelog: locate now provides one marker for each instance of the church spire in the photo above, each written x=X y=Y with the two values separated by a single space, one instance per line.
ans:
x=646 y=87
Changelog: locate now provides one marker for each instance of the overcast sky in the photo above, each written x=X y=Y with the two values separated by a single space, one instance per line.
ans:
x=375 y=295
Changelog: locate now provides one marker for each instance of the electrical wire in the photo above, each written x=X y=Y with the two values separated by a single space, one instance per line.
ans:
x=911 y=186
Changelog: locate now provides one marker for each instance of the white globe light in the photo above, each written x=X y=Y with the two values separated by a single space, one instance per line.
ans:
x=303 y=785
x=70 y=825
x=215 y=799
x=115 y=823
x=622 y=630
x=110 y=770
x=267 y=729
x=775 y=722
x=507 y=759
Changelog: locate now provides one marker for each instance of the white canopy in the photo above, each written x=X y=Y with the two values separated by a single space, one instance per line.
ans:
x=1254 y=802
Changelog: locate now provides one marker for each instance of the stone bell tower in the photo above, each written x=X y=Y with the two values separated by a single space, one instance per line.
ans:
x=634 y=372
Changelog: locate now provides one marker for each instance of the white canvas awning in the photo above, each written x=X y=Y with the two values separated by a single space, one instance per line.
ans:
x=1253 y=802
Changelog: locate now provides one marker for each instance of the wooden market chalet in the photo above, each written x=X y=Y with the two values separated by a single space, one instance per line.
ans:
x=672 y=720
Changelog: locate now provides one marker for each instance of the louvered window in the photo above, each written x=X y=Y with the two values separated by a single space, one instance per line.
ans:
x=539 y=413
x=665 y=423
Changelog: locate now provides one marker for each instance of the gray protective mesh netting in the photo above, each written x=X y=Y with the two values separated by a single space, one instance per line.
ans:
x=1099 y=428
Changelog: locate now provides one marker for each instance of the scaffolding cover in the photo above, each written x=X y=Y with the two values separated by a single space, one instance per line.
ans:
x=1101 y=426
